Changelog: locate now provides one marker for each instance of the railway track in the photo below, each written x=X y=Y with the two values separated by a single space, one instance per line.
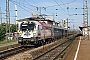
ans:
x=7 y=53
x=53 y=53
x=49 y=55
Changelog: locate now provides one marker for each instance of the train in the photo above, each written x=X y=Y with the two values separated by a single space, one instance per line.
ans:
x=36 y=32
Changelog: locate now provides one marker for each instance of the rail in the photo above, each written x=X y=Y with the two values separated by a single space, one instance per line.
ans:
x=53 y=53
x=13 y=51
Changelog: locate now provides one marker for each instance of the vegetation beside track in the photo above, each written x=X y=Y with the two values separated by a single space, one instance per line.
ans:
x=49 y=46
x=7 y=41
x=68 y=49
x=3 y=34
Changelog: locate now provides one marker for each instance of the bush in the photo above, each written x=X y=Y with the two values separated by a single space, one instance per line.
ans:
x=2 y=32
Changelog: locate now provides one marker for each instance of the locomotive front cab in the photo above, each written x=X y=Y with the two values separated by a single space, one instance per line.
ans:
x=27 y=33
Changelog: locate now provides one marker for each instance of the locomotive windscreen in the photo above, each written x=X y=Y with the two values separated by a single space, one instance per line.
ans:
x=24 y=26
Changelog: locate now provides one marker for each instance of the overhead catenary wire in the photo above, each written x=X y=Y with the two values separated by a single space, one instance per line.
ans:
x=45 y=7
x=29 y=4
x=62 y=4
x=20 y=6
x=23 y=6
x=35 y=4
x=39 y=7
x=65 y=6
x=68 y=2
x=26 y=3
x=61 y=7
x=54 y=5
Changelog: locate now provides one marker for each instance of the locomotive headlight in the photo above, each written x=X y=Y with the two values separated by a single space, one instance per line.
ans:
x=19 y=34
x=32 y=40
x=20 y=40
x=34 y=34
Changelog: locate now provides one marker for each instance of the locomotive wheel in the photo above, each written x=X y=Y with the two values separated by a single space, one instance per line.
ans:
x=21 y=43
x=42 y=43
x=48 y=41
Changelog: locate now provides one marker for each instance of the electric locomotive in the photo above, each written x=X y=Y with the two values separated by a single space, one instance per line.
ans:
x=35 y=32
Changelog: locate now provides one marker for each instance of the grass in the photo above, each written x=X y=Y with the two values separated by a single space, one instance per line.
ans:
x=67 y=50
x=37 y=52
x=7 y=41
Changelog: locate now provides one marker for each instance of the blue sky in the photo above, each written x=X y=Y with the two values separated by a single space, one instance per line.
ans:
x=29 y=6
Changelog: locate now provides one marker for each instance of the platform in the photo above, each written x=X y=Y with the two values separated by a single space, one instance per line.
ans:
x=79 y=51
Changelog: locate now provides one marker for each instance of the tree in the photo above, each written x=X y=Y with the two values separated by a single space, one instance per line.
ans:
x=13 y=28
x=2 y=31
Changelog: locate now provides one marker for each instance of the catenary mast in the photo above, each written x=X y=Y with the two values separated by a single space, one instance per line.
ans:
x=7 y=17
x=85 y=13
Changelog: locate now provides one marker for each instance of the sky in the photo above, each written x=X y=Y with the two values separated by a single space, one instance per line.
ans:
x=62 y=8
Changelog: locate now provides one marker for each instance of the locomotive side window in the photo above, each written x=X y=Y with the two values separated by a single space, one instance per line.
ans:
x=55 y=30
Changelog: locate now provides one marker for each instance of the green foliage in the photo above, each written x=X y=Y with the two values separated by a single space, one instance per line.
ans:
x=7 y=41
x=13 y=28
x=2 y=31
